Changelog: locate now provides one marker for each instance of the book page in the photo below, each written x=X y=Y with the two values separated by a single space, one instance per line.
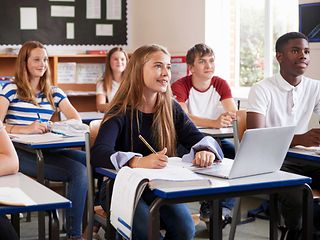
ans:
x=15 y=197
x=123 y=200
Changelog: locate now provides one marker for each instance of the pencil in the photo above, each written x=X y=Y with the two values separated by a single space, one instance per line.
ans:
x=39 y=118
x=147 y=144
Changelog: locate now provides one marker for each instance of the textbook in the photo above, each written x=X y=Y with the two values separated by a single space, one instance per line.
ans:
x=14 y=197
x=131 y=182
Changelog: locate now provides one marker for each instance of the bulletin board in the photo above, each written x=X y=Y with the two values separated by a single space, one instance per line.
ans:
x=309 y=21
x=65 y=22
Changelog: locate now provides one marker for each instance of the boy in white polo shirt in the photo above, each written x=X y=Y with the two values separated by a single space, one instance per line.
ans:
x=289 y=98
x=208 y=101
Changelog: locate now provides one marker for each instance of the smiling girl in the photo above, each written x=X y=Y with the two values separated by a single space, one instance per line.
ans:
x=144 y=106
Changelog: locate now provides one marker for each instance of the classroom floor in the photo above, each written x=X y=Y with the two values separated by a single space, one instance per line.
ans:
x=257 y=230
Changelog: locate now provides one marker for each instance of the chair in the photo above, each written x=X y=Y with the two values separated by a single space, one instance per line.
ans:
x=239 y=126
x=95 y=213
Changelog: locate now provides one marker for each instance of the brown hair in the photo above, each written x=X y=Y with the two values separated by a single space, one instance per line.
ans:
x=129 y=97
x=24 y=88
x=200 y=50
x=108 y=75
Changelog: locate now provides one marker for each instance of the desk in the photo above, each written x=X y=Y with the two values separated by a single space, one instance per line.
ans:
x=271 y=183
x=37 y=148
x=45 y=199
x=87 y=117
x=304 y=155
x=217 y=132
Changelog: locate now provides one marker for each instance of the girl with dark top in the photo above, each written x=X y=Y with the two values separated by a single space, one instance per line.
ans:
x=144 y=106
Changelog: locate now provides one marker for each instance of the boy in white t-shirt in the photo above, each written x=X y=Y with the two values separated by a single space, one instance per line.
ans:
x=289 y=98
x=208 y=101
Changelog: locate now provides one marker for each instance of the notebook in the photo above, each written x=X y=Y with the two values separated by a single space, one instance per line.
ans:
x=261 y=150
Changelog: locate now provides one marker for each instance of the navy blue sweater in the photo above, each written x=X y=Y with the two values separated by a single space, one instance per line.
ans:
x=115 y=135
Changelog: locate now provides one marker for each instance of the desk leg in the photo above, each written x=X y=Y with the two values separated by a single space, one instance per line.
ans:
x=307 y=213
x=53 y=225
x=40 y=178
x=273 y=227
x=110 y=230
x=154 y=220
x=215 y=230
x=15 y=221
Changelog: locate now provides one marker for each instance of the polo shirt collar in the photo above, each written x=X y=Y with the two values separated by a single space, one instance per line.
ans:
x=283 y=84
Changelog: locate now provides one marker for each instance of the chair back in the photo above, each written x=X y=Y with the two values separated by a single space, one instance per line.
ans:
x=239 y=127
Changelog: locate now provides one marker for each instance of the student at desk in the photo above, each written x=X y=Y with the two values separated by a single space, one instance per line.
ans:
x=27 y=104
x=289 y=98
x=9 y=164
x=108 y=85
x=208 y=101
x=144 y=106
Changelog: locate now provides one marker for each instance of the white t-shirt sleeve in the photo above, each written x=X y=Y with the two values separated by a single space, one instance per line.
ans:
x=99 y=87
x=257 y=100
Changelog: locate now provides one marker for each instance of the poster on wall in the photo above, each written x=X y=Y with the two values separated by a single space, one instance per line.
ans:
x=65 y=22
x=179 y=68
x=309 y=21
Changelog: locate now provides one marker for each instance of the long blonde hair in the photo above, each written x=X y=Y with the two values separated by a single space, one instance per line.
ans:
x=24 y=89
x=108 y=74
x=129 y=97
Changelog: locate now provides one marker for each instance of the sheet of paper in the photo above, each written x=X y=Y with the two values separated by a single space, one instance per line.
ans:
x=113 y=9
x=122 y=217
x=104 y=29
x=36 y=138
x=15 y=197
x=70 y=30
x=67 y=72
x=89 y=72
x=28 y=18
x=62 y=11
x=93 y=10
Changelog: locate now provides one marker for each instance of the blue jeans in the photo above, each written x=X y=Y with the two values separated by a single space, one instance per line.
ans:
x=174 y=218
x=67 y=166
x=227 y=147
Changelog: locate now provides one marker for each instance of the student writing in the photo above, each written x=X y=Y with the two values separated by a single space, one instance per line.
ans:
x=22 y=101
x=144 y=106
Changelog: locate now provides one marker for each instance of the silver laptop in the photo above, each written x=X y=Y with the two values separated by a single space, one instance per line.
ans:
x=261 y=150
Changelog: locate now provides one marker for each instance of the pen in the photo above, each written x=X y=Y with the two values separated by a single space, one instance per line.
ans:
x=147 y=144
x=39 y=118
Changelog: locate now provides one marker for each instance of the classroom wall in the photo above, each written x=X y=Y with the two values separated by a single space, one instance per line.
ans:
x=177 y=24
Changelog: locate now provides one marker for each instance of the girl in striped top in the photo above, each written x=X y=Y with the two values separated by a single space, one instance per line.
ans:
x=27 y=104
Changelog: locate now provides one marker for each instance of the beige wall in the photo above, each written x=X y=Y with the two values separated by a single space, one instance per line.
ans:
x=176 y=24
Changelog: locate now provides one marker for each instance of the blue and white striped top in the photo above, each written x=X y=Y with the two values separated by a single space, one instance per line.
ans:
x=21 y=112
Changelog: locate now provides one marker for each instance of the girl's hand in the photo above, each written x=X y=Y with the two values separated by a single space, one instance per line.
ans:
x=159 y=160
x=203 y=159
x=37 y=127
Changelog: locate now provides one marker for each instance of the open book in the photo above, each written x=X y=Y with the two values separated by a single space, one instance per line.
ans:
x=36 y=138
x=70 y=128
x=130 y=183
x=14 y=197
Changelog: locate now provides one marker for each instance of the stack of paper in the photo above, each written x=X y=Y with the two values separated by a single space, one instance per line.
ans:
x=15 y=197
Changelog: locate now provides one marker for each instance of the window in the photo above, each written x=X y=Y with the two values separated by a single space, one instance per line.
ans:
x=249 y=29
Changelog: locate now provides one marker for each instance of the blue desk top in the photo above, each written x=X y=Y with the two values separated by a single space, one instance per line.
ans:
x=66 y=142
x=303 y=154
x=262 y=181
x=43 y=197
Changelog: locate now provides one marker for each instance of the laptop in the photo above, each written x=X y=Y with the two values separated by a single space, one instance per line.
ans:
x=261 y=150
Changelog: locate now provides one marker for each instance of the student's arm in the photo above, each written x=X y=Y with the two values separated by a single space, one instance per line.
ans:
x=68 y=110
x=255 y=120
x=224 y=119
x=101 y=102
x=229 y=105
x=35 y=127
x=308 y=139
x=9 y=163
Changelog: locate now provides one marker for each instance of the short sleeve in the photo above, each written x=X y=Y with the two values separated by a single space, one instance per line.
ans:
x=99 y=87
x=180 y=89
x=257 y=100
x=58 y=95
x=9 y=91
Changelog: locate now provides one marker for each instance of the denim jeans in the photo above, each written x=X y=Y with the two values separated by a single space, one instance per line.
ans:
x=67 y=166
x=174 y=218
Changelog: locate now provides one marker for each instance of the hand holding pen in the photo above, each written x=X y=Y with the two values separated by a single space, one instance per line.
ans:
x=154 y=160
x=37 y=126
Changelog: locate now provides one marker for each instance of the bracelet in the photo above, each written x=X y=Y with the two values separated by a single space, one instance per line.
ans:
x=12 y=126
